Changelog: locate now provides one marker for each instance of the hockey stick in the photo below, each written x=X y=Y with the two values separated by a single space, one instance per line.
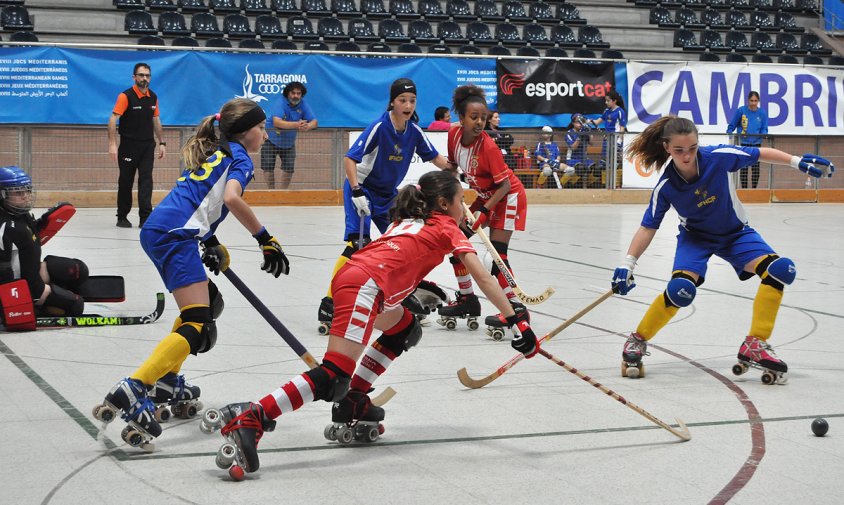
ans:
x=285 y=334
x=530 y=300
x=471 y=383
x=98 y=320
x=681 y=432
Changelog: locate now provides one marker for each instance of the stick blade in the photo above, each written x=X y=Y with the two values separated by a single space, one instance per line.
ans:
x=384 y=397
x=471 y=383
x=682 y=431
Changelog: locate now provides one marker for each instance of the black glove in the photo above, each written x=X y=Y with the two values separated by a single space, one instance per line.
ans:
x=275 y=262
x=215 y=256
x=524 y=340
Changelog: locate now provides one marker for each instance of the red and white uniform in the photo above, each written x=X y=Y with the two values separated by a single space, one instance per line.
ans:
x=485 y=171
x=381 y=275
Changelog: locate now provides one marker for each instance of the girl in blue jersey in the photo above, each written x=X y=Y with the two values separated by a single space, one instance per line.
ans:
x=547 y=154
x=752 y=123
x=204 y=194
x=616 y=122
x=375 y=165
x=697 y=183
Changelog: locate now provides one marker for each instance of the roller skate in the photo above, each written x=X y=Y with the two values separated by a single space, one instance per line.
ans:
x=242 y=425
x=325 y=315
x=355 y=418
x=464 y=307
x=756 y=353
x=495 y=325
x=129 y=398
x=172 y=395
x=631 y=356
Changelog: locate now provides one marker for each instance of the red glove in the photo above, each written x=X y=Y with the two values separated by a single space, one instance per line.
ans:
x=481 y=217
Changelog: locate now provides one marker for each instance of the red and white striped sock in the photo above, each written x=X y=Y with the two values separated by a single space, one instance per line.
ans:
x=464 y=280
x=502 y=281
x=380 y=355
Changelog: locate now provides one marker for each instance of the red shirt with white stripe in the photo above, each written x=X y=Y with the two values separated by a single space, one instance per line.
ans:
x=482 y=163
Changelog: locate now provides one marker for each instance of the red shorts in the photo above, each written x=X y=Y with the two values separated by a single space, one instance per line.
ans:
x=357 y=302
x=509 y=214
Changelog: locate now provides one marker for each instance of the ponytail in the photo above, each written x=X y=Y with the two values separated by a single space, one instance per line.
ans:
x=649 y=147
x=422 y=200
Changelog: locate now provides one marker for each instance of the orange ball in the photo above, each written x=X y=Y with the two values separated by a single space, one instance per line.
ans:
x=236 y=473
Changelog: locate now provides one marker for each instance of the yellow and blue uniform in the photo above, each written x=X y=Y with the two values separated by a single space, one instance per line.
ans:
x=550 y=151
x=757 y=125
x=613 y=118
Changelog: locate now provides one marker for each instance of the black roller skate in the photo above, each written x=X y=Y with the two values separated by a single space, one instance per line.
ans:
x=129 y=398
x=756 y=353
x=325 y=315
x=495 y=325
x=242 y=425
x=172 y=395
x=464 y=307
x=355 y=418
x=631 y=356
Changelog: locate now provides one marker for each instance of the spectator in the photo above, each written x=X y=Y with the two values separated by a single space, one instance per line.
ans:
x=547 y=154
x=503 y=140
x=577 y=140
x=753 y=122
x=442 y=120
x=137 y=108
x=290 y=116
x=616 y=123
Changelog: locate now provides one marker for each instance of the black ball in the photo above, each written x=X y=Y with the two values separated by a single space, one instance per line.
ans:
x=820 y=427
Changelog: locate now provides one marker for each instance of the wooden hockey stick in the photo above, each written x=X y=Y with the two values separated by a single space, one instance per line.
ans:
x=530 y=300
x=471 y=383
x=681 y=432
x=285 y=334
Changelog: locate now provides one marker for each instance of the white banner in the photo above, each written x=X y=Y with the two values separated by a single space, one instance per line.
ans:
x=417 y=166
x=798 y=100
x=637 y=177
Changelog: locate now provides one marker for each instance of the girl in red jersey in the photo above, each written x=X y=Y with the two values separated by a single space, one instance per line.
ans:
x=368 y=291
x=501 y=204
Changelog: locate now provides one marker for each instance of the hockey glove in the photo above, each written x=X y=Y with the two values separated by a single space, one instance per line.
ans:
x=466 y=228
x=275 y=262
x=481 y=217
x=524 y=340
x=215 y=256
x=360 y=201
x=622 y=279
x=813 y=165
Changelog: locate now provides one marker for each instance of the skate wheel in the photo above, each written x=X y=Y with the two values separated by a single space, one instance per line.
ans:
x=236 y=473
x=739 y=368
x=330 y=433
x=623 y=369
x=769 y=378
x=381 y=429
x=323 y=329
x=472 y=324
x=225 y=456
x=372 y=434
x=103 y=413
x=211 y=421
x=633 y=372
x=641 y=371
x=187 y=412
x=451 y=324
x=345 y=435
x=132 y=437
x=162 y=414
x=497 y=335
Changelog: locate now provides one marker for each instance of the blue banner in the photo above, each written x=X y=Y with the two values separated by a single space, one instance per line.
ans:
x=53 y=85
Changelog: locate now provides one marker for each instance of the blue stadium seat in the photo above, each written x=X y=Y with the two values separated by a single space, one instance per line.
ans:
x=737 y=41
x=315 y=8
x=762 y=21
x=568 y=14
x=300 y=28
x=591 y=36
x=713 y=20
x=508 y=34
x=812 y=44
x=193 y=6
x=431 y=10
x=360 y=30
x=788 y=43
x=204 y=24
x=172 y=23
x=331 y=29
x=391 y=30
x=514 y=11
x=763 y=43
x=269 y=27
x=450 y=33
x=785 y=22
x=563 y=36
x=255 y=7
x=345 y=9
x=347 y=46
x=218 y=43
x=479 y=33
x=661 y=16
x=807 y=6
x=288 y=7
x=763 y=5
x=487 y=11
x=161 y=5
x=236 y=26
x=498 y=51
x=534 y=34
x=541 y=11
x=16 y=18
x=184 y=42
x=737 y=20
x=251 y=44
x=687 y=18
x=459 y=10
x=742 y=5
x=712 y=40
x=403 y=9
x=469 y=49
x=284 y=45
x=687 y=40
x=135 y=22
x=151 y=40
x=420 y=31
x=556 y=52
x=223 y=6
x=373 y=9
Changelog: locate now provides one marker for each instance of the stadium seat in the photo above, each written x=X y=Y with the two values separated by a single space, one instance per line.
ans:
x=836 y=60
x=172 y=23
x=284 y=44
x=161 y=5
x=288 y=7
x=255 y=7
x=479 y=33
x=709 y=57
x=661 y=16
x=568 y=14
x=449 y=32
x=719 y=4
x=687 y=40
x=541 y=11
x=788 y=59
x=251 y=44
x=812 y=60
x=151 y=40
x=459 y=10
x=315 y=8
x=612 y=54
x=347 y=46
x=331 y=29
x=784 y=5
x=184 y=42
x=687 y=18
x=591 y=36
x=712 y=40
x=563 y=36
x=345 y=9
x=391 y=30
x=223 y=6
x=236 y=26
x=763 y=42
x=807 y=6
x=403 y=9
x=693 y=4
x=127 y=5
x=469 y=49
x=315 y=45
x=735 y=58
x=514 y=11
x=785 y=22
x=736 y=19
x=742 y=5
x=419 y=30
x=713 y=20
x=23 y=37
x=409 y=47
x=508 y=34
x=431 y=10
x=360 y=30
x=193 y=6
x=487 y=11
x=300 y=28
x=373 y=9
x=761 y=58
x=204 y=24
x=762 y=22
x=763 y=5
x=535 y=35
x=528 y=51
x=556 y=52
x=584 y=53
x=738 y=42
x=498 y=51
x=269 y=27
x=439 y=49
x=788 y=43
x=218 y=43
x=378 y=47
x=812 y=44
x=135 y=22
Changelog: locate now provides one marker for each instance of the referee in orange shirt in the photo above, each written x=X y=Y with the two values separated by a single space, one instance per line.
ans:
x=140 y=131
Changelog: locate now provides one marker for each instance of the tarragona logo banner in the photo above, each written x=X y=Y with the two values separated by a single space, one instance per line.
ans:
x=798 y=100
x=553 y=87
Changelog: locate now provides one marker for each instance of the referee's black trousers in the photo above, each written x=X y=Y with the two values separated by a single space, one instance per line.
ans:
x=135 y=155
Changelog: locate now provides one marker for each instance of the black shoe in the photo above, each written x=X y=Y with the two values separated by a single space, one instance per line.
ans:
x=122 y=222
x=141 y=223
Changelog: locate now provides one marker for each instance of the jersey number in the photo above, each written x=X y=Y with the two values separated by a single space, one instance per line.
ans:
x=205 y=169
x=406 y=227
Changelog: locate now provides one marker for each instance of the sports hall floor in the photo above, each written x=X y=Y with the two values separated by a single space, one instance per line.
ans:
x=536 y=435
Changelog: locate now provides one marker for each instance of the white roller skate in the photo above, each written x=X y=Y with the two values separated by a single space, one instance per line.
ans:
x=172 y=395
x=631 y=356
x=355 y=418
x=756 y=353
x=242 y=425
x=129 y=399
x=325 y=315
x=463 y=307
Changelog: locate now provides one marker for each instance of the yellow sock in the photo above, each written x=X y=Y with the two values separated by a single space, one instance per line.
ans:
x=564 y=180
x=656 y=317
x=167 y=356
x=541 y=179
x=765 y=308
x=337 y=266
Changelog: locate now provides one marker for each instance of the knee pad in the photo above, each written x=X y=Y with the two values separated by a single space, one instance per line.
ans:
x=403 y=340
x=776 y=271
x=61 y=302
x=68 y=272
x=330 y=383
x=215 y=300
x=352 y=246
x=681 y=291
x=200 y=339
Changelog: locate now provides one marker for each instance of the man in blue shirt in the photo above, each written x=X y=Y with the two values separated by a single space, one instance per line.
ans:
x=289 y=116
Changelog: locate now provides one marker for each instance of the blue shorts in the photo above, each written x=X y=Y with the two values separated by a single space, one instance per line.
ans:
x=378 y=204
x=738 y=249
x=176 y=258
